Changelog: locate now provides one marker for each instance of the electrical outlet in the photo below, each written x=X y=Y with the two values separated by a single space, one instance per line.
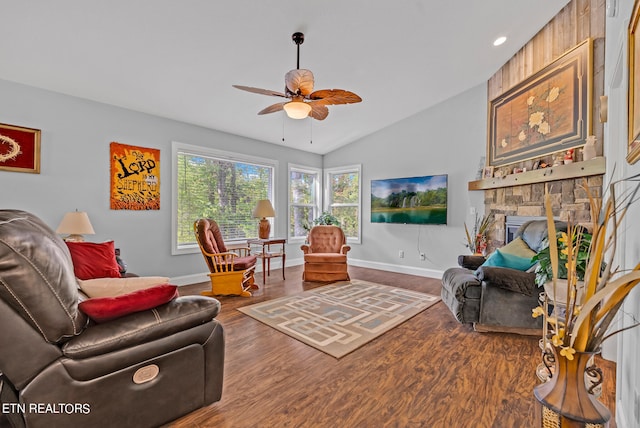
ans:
x=401 y=254
x=423 y=257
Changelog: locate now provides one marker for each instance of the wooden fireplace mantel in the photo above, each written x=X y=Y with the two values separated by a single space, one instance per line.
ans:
x=594 y=166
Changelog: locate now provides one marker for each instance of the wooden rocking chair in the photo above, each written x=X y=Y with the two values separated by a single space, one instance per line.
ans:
x=231 y=273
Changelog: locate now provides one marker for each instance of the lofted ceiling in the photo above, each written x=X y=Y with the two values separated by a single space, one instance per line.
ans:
x=178 y=59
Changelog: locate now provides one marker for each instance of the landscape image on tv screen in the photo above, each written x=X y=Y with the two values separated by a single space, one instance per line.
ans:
x=412 y=200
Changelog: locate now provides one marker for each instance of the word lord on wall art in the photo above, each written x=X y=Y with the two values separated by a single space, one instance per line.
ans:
x=135 y=177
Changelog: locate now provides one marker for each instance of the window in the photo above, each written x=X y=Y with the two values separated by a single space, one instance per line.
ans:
x=220 y=185
x=304 y=199
x=343 y=195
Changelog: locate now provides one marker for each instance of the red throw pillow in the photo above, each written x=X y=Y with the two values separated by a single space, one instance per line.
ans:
x=104 y=309
x=94 y=260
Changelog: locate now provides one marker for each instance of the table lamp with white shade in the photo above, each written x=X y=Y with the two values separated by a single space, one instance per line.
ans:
x=76 y=224
x=263 y=210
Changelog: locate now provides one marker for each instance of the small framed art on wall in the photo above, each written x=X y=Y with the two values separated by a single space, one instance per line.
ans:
x=19 y=149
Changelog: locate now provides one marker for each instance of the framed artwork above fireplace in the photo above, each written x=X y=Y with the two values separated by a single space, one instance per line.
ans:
x=546 y=113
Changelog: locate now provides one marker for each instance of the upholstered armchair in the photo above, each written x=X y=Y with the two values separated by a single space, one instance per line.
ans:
x=499 y=293
x=231 y=272
x=59 y=368
x=325 y=256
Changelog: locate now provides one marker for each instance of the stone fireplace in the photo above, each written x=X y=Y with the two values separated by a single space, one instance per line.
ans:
x=569 y=202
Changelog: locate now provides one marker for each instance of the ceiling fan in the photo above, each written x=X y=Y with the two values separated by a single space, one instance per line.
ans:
x=299 y=89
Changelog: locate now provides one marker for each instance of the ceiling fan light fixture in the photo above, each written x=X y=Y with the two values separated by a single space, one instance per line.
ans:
x=297 y=109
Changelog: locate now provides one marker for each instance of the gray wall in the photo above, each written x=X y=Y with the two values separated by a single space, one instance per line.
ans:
x=75 y=172
x=628 y=342
x=449 y=138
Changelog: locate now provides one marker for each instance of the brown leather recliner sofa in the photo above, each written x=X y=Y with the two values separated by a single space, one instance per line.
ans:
x=325 y=256
x=58 y=369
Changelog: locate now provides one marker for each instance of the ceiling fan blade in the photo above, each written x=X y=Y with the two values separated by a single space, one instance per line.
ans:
x=260 y=91
x=272 y=108
x=299 y=81
x=334 y=96
x=318 y=110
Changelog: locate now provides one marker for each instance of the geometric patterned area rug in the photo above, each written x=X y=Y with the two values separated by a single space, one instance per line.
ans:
x=341 y=317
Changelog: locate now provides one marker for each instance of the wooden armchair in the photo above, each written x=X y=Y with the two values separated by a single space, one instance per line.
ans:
x=325 y=257
x=231 y=272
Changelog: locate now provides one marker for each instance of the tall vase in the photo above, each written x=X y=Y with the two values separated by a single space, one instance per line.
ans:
x=567 y=395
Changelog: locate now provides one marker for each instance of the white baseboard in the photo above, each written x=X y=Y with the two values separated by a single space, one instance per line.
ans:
x=189 y=279
x=277 y=264
x=409 y=270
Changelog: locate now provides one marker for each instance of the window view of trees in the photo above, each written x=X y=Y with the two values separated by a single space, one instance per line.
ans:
x=344 y=201
x=224 y=190
x=227 y=186
x=303 y=201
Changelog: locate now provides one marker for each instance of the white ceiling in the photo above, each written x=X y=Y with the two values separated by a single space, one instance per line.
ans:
x=178 y=59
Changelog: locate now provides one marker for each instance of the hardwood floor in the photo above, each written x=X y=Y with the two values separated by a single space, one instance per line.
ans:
x=430 y=371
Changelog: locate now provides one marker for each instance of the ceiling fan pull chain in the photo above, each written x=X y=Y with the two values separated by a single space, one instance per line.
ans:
x=283 y=114
x=311 y=132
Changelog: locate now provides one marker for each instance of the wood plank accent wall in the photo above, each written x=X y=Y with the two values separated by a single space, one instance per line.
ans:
x=577 y=21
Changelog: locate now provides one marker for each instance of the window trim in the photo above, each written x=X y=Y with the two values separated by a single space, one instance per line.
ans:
x=318 y=192
x=178 y=147
x=328 y=197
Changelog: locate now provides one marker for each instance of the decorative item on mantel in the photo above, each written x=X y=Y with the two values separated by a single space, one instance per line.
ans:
x=589 y=149
x=572 y=337
x=568 y=157
x=477 y=239
x=558 y=159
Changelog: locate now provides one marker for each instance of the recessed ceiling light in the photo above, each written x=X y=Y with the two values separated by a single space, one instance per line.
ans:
x=499 y=41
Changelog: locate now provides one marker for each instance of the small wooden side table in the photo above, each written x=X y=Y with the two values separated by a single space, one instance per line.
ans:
x=266 y=253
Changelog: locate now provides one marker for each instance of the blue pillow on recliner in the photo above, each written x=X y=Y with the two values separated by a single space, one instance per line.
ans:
x=501 y=259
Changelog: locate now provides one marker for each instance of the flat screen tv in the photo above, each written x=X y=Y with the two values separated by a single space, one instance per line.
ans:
x=411 y=200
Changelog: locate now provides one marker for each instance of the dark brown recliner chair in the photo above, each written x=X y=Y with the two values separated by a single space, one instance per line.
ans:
x=325 y=256
x=57 y=369
x=494 y=298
